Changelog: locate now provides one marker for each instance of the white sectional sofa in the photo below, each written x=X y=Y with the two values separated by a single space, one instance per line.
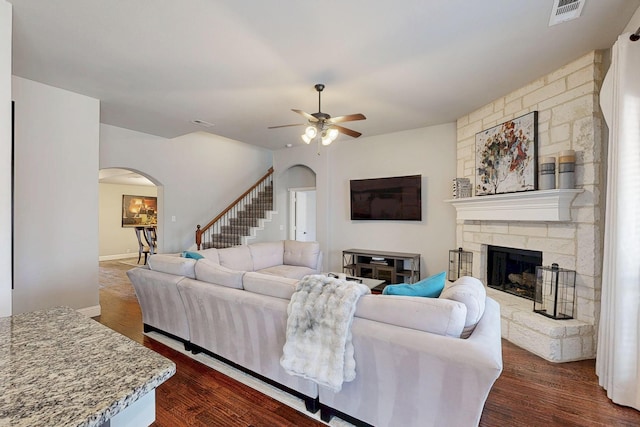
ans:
x=412 y=366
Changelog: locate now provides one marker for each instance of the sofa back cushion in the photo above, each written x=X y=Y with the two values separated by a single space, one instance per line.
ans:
x=437 y=316
x=267 y=284
x=173 y=264
x=267 y=254
x=471 y=292
x=305 y=254
x=211 y=254
x=236 y=258
x=212 y=272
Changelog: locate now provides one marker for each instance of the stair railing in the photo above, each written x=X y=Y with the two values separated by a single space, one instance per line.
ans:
x=241 y=213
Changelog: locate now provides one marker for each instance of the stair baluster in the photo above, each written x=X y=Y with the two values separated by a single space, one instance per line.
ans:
x=228 y=228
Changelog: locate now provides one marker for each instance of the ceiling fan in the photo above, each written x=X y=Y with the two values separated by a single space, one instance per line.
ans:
x=322 y=126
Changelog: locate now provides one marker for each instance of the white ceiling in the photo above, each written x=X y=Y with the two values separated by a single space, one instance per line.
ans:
x=156 y=65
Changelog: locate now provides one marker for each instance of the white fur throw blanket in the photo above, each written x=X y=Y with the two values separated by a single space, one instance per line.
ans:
x=318 y=345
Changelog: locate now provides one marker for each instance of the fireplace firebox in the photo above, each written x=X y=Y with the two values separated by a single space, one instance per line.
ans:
x=513 y=270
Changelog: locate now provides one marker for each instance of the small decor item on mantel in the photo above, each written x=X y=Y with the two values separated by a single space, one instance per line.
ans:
x=506 y=156
x=555 y=292
x=547 y=179
x=460 y=264
x=566 y=169
x=461 y=188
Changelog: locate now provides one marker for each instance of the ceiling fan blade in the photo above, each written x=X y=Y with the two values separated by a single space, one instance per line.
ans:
x=347 y=118
x=305 y=115
x=286 y=126
x=346 y=131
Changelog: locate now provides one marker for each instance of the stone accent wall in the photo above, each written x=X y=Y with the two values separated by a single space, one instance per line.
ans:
x=569 y=117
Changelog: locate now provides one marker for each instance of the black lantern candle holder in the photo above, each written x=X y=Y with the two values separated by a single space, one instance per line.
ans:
x=554 y=292
x=460 y=264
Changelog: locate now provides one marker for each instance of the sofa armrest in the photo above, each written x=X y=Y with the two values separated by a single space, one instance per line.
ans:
x=405 y=375
x=171 y=264
x=160 y=302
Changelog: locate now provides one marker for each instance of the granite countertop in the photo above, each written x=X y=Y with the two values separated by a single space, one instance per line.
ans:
x=60 y=368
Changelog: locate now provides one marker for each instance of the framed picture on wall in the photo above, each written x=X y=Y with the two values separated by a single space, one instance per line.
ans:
x=506 y=156
x=139 y=210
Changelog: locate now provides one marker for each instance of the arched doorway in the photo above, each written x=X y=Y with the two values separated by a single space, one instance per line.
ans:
x=300 y=184
x=116 y=224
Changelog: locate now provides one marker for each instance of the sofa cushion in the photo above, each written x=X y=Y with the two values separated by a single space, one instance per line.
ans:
x=212 y=272
x=429 y=287
x=266 y=254
x=173 y=265
x=434 y=315
x=291 y=271
x=236 y=258
x=210 y=254
x=266 y=284
x=305 y=254
x=471 y=292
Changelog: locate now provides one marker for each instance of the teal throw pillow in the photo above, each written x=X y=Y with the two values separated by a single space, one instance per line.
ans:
x=430 y=287
x=188 y=254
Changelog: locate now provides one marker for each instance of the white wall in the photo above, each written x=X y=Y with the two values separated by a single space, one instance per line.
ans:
x=5 y=158
x=117 y=241
x=304 y=155
x=429 y=151
x=56 y=202
x=198 y=175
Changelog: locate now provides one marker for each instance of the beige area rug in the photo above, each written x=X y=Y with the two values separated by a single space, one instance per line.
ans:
x=246 y=379
x=112 y=276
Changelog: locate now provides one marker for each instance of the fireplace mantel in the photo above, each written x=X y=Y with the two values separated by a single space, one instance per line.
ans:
x=540 y=205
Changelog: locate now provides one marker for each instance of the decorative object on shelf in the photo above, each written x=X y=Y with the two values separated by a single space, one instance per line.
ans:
x=461 y=188
x=460 y=264
x=547 y=180
x=566 y=169
x=506 y=156
x=555 y=292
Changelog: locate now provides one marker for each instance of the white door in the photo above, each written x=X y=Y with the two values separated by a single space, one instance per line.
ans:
x=303 y=215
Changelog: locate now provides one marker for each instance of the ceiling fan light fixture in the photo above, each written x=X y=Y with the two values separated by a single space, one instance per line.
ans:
x=306 y=139
x=333 y=134
x=311 y=132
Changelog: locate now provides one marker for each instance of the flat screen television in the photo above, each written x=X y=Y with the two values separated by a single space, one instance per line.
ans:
x=396 y=198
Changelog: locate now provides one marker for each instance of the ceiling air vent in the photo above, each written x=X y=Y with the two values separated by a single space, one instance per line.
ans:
x=565 y=10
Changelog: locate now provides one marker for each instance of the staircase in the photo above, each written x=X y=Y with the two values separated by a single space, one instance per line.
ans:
x=236 y=222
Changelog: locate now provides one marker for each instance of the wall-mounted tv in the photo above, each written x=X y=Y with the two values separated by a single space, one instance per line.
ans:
x=396 y=198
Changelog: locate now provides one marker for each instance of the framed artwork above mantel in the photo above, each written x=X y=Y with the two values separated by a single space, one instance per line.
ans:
x=139 y=210
x=506 y=156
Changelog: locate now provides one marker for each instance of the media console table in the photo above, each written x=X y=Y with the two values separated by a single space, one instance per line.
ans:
x=60 y=368
x=392 y=267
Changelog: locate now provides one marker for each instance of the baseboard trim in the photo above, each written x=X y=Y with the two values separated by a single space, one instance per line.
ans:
x=117 y=256
x=93 y=311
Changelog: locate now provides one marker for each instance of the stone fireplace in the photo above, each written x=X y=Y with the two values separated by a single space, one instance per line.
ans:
x=564 y=226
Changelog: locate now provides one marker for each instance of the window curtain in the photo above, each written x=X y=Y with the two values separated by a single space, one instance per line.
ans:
x=618 y=356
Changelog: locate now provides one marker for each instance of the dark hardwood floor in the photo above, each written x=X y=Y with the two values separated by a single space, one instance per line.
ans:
x=530 y=392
